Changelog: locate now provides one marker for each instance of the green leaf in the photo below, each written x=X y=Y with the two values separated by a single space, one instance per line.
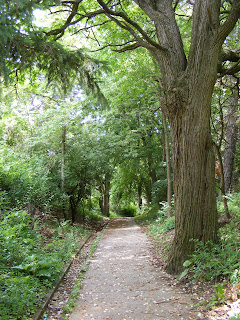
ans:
x=187 y=263
x=183 y=274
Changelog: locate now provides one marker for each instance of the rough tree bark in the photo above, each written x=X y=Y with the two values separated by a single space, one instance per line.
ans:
x=187 y=88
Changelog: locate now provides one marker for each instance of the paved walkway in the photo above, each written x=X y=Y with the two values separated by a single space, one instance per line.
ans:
x=122 y=283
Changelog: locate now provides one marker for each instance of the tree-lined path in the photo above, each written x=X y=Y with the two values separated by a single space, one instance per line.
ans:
x=122 y=282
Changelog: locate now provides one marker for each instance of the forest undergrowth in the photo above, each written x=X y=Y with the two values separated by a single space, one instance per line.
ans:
x=212 y=273
x=34 y=250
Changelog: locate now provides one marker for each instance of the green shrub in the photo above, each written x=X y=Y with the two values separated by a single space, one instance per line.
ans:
x=148 y=213
x=237 y=317
x=213 y=261
x=19 y=295
x=29 y=265
x=222 y=260
x=233 y=201
x=129 y=210
x=162 y=225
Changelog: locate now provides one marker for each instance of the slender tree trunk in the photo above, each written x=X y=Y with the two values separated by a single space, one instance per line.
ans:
x=100 y=201
x=231 y=137
x=104 y=199
x=148 y=190
x=222 y=183
x=150 y=166
x=167 y=153
x=63 y=171
x=140 y=194
x=73 y=207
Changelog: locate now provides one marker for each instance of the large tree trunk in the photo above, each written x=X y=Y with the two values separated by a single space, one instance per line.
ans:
x=187 y=87
x=194 y=177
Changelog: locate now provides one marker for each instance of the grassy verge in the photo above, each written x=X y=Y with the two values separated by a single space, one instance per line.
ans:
x=33 y=253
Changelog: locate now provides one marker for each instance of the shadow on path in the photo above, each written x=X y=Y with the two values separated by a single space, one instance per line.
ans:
x=122 y=283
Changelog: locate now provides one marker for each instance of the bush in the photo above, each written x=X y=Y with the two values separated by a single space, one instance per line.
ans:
x=129 y=210
x=162 y=225
x=215 y=261
x=222 y=260
x=19 y=295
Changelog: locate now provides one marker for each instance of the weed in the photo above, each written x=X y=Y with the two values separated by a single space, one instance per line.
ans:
x=218 y=297
x=211 y=262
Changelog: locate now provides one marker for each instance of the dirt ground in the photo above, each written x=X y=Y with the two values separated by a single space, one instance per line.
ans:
x=123 y=282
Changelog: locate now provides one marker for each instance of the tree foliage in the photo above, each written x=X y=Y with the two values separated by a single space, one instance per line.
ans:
x=189 y=45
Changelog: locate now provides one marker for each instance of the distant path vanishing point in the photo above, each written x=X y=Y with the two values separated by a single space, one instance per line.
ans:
x=122 y=283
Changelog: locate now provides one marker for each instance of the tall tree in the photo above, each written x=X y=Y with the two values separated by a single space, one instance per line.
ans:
x=187 y=81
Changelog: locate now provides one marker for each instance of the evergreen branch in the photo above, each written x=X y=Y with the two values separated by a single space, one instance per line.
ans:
x=59 y=65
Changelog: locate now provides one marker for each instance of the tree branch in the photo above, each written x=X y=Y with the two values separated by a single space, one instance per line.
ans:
x=126 y=47
x=128 y=26
x=69 y=21
x=230 y=71
x=231 y=57
x=230 y=22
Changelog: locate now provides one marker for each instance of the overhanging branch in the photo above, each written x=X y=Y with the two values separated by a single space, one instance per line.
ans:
x=230 y=22
x=230 y=71
x=130 y=25
x=228 y=56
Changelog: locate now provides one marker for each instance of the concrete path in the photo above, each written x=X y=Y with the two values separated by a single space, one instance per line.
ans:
x=122 y=283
